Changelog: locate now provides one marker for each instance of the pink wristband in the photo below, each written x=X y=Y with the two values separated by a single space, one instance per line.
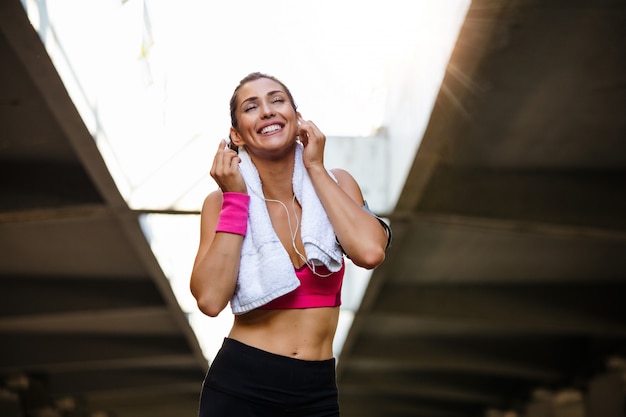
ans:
x=234 y=214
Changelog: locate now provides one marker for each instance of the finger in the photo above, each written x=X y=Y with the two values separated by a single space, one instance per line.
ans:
x=308 y=128
x=234 y=163
x=313 y=129
x=302 y=124
x=304 y=137
x=303 y=133
x=218 y=159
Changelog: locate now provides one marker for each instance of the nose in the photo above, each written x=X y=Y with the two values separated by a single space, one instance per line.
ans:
x=266 y=111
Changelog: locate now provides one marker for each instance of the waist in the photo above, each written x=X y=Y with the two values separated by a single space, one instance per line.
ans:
x=306 y=334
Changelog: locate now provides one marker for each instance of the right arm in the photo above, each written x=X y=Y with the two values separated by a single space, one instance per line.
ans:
x=216 y=266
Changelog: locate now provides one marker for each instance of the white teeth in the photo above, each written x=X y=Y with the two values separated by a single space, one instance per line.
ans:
x=270 y=128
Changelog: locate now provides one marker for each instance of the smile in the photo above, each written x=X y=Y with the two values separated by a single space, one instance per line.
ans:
x=270 y=129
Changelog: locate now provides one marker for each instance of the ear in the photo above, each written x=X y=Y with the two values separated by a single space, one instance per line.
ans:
x=235 y=137
x=298 y=117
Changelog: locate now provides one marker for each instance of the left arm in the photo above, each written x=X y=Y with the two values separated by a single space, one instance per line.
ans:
x=360 y=234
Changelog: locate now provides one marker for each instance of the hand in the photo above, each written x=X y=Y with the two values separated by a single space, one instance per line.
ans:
x=314 y=141
x=225 y=170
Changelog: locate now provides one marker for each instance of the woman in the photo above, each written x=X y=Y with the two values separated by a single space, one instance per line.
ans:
x=272 y=243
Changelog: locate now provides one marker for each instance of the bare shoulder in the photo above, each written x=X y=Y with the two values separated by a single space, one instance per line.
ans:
x=348 y=184
x=213 y=201
x=342 y=175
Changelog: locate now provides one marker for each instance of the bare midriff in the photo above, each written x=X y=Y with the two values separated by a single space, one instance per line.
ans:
x=305 y=334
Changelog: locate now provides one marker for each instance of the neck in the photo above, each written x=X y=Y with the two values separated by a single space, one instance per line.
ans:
x=276 y=177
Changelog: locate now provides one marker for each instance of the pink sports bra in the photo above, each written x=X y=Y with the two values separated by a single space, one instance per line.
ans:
x=313 y=291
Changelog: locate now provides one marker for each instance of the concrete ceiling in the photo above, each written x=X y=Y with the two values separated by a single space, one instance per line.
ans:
x=88 y=321
x=508 y=270
x=507 y=273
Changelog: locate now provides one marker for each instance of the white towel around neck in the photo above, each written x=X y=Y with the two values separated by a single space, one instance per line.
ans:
x=265 y=269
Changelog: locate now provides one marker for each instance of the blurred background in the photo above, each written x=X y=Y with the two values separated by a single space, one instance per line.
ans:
x=489 y=134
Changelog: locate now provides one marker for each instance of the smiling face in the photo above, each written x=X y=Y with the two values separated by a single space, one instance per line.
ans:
x=265 y=115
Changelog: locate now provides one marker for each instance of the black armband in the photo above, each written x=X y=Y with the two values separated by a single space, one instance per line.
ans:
x=382 y=222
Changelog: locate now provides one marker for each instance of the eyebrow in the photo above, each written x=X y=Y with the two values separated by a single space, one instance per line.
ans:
x=255 y=98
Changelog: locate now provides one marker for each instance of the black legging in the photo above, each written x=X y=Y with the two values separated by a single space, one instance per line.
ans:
x=244 y=381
